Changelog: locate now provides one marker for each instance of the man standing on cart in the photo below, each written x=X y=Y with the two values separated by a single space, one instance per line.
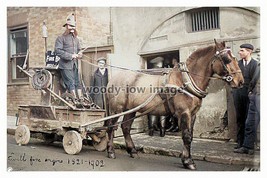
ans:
x=67 y=47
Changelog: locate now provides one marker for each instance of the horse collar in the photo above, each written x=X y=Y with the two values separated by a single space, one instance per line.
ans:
x=189 y=83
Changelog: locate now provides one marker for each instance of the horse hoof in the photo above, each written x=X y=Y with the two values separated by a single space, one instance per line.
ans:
x=162 y=134
x=189 y=164
x=132 y=155
x=151 y=132
x=111 y=155
x=191 y=167
x=132 y=152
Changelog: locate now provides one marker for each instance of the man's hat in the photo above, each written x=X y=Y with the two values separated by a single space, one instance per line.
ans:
x=102 y=59
x=70 y=20
x=248 y=46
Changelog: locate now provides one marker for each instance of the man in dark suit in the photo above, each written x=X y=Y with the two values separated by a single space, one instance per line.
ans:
x=253 y=117
x=248 y=66
x=100 y=81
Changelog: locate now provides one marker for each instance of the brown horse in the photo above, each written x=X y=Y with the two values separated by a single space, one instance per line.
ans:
x=193 y=77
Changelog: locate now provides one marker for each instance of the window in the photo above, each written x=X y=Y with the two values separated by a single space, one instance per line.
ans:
x=18 y=46
x=204 y=19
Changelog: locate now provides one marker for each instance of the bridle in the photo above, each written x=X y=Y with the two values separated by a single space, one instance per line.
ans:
x=220 y=55
x=188 y=81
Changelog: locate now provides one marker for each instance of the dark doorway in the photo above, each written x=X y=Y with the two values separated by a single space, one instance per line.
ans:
x=168 y=58
x=156 y=64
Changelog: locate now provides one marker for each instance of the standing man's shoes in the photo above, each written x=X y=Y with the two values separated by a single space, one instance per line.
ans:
x=237 y=146
x=244 y=150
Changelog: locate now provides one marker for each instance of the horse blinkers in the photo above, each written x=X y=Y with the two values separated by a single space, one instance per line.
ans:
x=224 y=56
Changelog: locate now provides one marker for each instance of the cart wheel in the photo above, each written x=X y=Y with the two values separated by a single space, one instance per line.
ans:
x=102 y=145
x=72 y=142
x=22 y=135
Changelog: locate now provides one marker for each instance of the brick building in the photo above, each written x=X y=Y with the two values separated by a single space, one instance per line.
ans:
x=129 y=40
x=27 y=31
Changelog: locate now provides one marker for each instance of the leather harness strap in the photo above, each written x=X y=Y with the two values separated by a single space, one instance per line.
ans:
x=162 y=92
x=189 y=83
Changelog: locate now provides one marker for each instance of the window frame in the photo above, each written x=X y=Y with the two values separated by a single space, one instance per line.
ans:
x=202 y=11
x=13 y=58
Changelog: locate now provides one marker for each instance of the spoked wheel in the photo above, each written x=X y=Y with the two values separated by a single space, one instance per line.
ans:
x=72 y=142
x=102 y=145
x=22 y=135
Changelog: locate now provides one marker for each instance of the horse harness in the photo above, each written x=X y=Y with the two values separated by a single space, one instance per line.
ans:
x=189 y=83
x=224 y=61
x=189 y=86
x=168 y=91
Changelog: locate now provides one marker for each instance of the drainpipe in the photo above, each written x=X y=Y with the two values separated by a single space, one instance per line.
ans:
x=45 y=35
x=110 y=37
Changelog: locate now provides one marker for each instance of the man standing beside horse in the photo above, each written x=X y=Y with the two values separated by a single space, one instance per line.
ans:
x=248 y=66
x=253 y=116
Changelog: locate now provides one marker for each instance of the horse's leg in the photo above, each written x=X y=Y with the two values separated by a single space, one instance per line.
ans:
x=126 y=128
x=187 y=124
x=162 y=121
x=110 y=131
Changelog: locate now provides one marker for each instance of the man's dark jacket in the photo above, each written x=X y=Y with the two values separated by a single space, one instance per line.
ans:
x=99 y=81
x=65 y=46
x=248 y=71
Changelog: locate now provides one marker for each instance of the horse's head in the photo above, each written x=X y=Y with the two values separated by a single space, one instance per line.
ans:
x=225 y=65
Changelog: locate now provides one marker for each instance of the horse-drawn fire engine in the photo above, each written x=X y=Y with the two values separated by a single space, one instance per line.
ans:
x=57 y=117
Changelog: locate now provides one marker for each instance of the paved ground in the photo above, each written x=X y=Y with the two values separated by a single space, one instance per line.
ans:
x=38 y=156
x=202 y=149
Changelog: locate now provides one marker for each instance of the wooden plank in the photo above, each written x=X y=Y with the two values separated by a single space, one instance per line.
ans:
x=42 y=112
x=53 y=119
x=40 y=125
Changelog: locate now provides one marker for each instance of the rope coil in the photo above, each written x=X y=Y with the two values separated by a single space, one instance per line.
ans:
x=41 y=79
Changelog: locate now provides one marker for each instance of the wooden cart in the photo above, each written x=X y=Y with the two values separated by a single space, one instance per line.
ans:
x=54 y=121
x=59 y=121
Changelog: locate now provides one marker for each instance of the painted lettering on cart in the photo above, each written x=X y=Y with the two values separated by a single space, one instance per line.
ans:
x=33 y=160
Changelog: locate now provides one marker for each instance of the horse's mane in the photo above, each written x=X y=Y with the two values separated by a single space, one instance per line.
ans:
x=201 y=52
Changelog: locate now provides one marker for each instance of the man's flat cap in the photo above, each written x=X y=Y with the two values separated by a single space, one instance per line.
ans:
x=102 y=59
x=248 y=46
